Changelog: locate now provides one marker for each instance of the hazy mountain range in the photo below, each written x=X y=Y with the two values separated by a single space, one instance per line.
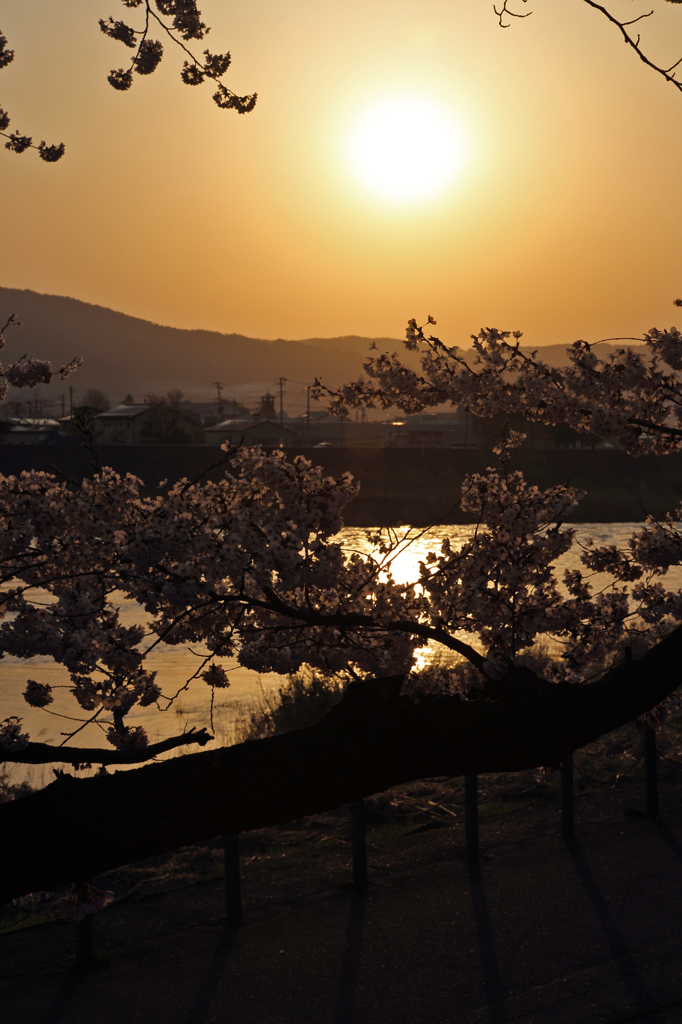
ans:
x=126 y=354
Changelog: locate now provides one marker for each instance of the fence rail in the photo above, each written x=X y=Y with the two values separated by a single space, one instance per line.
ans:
x=84 y=931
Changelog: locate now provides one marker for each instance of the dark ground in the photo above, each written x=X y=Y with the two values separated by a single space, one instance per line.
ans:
x=541 y=932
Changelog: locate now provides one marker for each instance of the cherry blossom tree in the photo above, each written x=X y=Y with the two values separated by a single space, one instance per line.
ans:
x=252 y=567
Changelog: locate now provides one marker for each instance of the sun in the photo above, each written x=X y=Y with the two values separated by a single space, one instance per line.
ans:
x=405 y=148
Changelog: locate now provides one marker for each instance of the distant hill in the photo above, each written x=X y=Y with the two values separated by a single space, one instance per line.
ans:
x=124 y=354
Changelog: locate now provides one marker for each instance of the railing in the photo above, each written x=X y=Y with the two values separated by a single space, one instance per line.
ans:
x=85 y=951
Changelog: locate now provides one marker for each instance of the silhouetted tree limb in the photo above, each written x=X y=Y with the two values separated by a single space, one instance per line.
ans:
x=372 y=740
x=45 y=753
x=506 y=10
x=634 y=42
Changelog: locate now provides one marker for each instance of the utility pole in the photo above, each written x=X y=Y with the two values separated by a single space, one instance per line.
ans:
x=71 y=400
x=219 y=387
x=281 y=400
x=307 y=416
x=63 y=413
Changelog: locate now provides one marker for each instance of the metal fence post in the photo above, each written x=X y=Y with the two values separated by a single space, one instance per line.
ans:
x=359 y=844
x=567 y=797
x=651 y=771
x=233 y=885
x=471 y=817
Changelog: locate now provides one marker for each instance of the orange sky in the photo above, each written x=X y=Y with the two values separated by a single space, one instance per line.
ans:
x=565 y=223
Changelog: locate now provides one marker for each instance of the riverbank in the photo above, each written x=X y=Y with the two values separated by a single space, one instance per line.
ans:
x=403 y=486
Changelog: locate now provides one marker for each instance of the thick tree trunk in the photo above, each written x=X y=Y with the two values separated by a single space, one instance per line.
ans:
x=372 y=740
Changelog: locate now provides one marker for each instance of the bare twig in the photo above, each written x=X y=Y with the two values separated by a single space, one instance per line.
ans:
x=634 y=42
x=504 y=9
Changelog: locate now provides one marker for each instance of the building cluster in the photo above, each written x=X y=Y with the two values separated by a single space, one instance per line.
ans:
x=165 y=421
x=142 y=423
x=318 y=428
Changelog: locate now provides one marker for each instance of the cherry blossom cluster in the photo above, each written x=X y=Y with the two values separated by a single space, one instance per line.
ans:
x=184 y=26
x=28 y=371
x=11 y=736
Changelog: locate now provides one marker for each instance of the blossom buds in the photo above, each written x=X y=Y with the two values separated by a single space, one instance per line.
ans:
x=227 y=100
x=18 y=143
x=191 y=74
x=6 y=56
x=148 y=57
x=50 y=154
x=215 y=675
x=38 y=695
x=120 y=79
x=118 y=30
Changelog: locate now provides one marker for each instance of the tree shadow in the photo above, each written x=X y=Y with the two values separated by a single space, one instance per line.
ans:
x=350 y=963
x=614 y=937
x=492 y=981
x=216 y=968
x=668 y=837
x=67 y=990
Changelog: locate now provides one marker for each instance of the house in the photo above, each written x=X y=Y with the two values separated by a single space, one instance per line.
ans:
x=146 y=423
x=266 y=433
x=23 y=430
x=320 y=427
x=264 y=427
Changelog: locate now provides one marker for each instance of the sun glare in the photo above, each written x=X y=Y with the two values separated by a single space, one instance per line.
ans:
x=404 y=148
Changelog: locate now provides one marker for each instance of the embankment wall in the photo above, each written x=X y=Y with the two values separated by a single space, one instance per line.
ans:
x=420 y=486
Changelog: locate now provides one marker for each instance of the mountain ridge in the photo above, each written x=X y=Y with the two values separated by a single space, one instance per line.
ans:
x=126 y=354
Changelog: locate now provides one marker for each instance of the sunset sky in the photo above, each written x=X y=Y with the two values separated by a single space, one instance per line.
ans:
x=563 y=218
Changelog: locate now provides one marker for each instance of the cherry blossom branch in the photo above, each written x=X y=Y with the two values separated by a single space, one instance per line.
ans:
x=622 y=26
x=148 y=54
x=20 y=143
x=351 y=620
x=44 y=753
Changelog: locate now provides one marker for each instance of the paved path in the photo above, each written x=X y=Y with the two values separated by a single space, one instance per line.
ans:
x=540 y=933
